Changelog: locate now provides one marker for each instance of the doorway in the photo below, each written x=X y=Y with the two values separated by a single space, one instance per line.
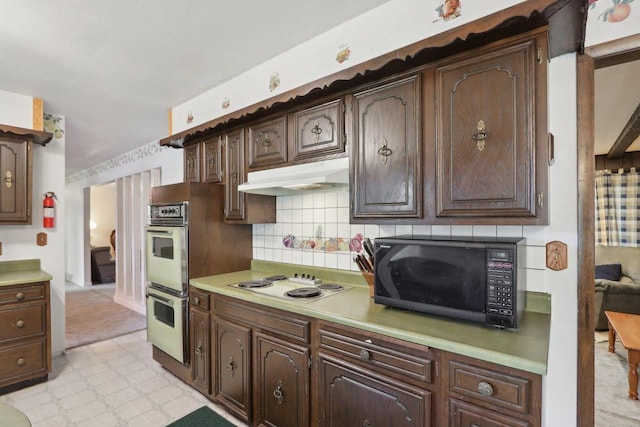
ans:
x=597 y=56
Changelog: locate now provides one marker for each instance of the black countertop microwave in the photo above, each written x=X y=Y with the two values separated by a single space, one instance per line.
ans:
x=478 y=279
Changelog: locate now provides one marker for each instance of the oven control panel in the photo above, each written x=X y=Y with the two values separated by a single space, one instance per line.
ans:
x=168 y=213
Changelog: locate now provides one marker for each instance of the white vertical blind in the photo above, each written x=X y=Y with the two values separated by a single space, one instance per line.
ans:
x=133 y=194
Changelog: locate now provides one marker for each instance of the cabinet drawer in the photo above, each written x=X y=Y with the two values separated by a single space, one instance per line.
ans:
x=506 y=391
x=22 y=362
x=199 y=299
x=389 y=356
x=282 y=323
x=464 y=414
x=22 y=321
x=9 y=294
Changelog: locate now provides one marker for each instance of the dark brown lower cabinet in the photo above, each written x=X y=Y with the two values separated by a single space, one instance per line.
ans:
x=200 y=333
x=233 y=367
x=351 y=396
x=276 y=368
x=282 y=382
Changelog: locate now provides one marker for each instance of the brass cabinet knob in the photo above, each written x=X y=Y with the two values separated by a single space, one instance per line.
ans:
x=20 y=296
x=20 y=361
x=196 y=300
x=365 y=355
x=20 y=323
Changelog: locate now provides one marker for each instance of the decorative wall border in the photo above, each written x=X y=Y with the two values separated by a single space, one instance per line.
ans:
x=132 y=156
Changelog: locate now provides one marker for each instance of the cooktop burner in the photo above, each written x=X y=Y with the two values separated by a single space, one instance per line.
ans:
x=330 y=286
x=304 y=292
x=251 y=284
x=302 y=289
x=276 y=277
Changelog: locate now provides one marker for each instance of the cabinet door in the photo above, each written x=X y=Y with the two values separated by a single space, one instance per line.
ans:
x=234 y=175
x=212 y=159
x=192 y=163
x=15 y=185
x=486 y=133
x=232 y=368
x=319 y=130
x=200 y=333
x=387 y=171
x=282 y=379
x=268 y=143
x=349 y=396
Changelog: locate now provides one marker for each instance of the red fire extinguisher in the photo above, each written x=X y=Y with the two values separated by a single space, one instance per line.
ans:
x=49 y=212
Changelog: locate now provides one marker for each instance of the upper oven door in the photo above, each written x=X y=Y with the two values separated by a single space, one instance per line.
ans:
x=167 y=256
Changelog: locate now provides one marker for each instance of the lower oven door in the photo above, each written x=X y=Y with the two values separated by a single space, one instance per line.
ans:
x=167 y=323
x=166 y=248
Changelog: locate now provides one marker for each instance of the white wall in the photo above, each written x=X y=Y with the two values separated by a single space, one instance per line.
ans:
x=103 y=213
x=19 y=241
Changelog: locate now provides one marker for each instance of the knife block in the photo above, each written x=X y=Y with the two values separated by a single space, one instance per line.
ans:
x=370 y=279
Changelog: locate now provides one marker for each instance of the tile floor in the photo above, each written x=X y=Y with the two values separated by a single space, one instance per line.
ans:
x=110 y=383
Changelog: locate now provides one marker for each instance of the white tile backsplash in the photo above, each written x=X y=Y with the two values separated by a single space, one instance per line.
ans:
x=322 y=216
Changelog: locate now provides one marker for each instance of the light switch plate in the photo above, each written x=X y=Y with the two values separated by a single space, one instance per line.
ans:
x=556 y=255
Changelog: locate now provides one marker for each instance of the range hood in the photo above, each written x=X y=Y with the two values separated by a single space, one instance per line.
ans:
x=323 y=175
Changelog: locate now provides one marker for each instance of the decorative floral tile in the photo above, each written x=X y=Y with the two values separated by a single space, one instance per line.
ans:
x=343 y=55
x=619 y=11
x=189 y=117
x=334 y=244
x=274 y=81
x=225 y=103
x=449 y=9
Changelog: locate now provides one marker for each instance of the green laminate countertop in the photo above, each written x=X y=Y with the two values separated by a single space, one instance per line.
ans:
x=525 y=348
x=22 y=271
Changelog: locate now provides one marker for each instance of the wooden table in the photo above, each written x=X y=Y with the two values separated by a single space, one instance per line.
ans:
x=627 y=326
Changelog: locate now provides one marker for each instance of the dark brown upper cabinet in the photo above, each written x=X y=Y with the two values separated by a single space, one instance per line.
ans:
x=491 y=152
x=319 y=130
x=241 y=207
x=16 y=171
x=386 y=171
x=267 y=143
x=203 y=160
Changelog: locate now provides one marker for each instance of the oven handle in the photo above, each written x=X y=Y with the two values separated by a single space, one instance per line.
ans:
x=159 y=298
x=160 y=231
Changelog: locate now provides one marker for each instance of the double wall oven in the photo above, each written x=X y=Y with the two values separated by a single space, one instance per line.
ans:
x=167 y=257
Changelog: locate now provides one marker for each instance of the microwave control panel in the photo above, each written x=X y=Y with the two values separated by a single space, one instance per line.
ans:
x=500 y=284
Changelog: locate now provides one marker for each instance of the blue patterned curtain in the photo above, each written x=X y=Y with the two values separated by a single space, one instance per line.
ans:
x=618 y=208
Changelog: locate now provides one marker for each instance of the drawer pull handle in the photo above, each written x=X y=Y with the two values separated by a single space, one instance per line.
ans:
x=20 y=361
x=365 y=355
x=485 y=388
x=20 y=296
x=20 y=323
x=278 y=393
x=230 y=367
x=196 y=301
x=366 y=423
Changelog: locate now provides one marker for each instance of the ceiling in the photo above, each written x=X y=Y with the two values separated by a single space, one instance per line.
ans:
x=617 y=95
x=114 y=68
